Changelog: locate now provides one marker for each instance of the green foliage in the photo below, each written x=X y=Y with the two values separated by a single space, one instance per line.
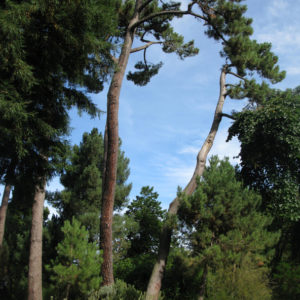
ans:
x=51 y=49
x=182 y=276
x=147 y=212
x=157 y=30
x=270 y=148
x=76 y=267
x=287 y=276
x=226 y=21
x=246 y=281
x=135 y=270
x=136 y=238
x=123 y=226
x=14 y=258
x=222 y=221
x=119 y=291
x=82 y=179
x=143 y=76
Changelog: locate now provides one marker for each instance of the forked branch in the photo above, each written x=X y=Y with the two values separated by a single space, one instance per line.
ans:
x=144 y=47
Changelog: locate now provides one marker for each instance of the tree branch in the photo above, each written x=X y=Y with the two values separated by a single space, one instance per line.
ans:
x=228 y=116
x=179 y=13
x=144 y=47
x=144 y=5
x=231 y=85
x=166 y=13
x=114 y=59
x=145 y=60
x=236 y=75
x=210 y=12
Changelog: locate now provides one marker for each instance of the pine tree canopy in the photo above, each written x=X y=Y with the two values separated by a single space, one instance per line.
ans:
x=82 y=179
x=54 y=52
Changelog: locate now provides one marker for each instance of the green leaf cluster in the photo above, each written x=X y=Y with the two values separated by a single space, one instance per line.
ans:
x=76 y=267
x=270 y=148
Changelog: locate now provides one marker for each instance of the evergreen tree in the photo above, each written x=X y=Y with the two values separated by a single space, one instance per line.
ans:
x=244 y=57
x=82 y=179
x=147 y=212
x=76 y=267
x=54 y=58
x=224 y=225
x=149 y=21
x=145 y=217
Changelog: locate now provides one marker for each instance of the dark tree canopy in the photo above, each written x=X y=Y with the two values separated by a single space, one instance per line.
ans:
x=51 y=49
x=270 y=147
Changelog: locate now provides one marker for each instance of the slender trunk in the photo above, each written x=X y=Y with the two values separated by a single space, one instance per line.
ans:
x=35 y=257
x=3 y=210
x=104 y=157
x=203 y=283
x=154 y=284
x=111 y=149
x=67 y=291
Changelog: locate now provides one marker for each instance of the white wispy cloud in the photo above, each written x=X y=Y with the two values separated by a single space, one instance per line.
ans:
x=179 y=174
x=276 y=7
x=293 y=70
x=284 y=40
x=189 y=150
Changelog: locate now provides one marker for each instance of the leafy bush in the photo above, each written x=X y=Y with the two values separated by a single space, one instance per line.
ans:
x=119 y=291
x=287 y=277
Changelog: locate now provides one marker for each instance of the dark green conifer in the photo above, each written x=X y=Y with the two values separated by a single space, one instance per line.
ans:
x=60 y=46
x=75 y=271
x=82 y=179
x=224 y=225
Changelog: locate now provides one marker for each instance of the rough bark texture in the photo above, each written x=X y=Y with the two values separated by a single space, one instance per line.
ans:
x=111 y=149
x=154 y=284
x=35 y=256
x=3 y=210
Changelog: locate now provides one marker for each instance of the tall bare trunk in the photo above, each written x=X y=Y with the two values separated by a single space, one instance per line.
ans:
x=154 y=284
x=3 y=210
x=104 y=157
x=35 y=256
x=111 y=148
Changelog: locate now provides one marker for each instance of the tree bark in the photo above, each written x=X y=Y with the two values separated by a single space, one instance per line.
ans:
x=154 y=284
x=35 y=258
x=111 y=149
x=3 y=211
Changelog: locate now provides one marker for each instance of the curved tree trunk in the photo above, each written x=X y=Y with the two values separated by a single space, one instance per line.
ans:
x=35 y=257
x=3 y=210
x=154 y=284
x=111 y=152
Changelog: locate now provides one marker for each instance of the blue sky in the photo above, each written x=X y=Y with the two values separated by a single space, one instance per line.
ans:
x=164 y=124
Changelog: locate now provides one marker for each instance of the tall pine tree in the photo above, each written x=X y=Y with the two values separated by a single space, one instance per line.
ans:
x=226 y=23
x=62 y=46
x=148 y=21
